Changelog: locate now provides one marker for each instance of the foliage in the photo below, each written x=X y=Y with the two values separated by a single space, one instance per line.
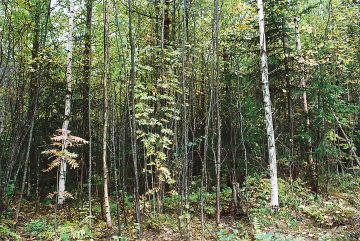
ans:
x=171 y=201
x=161 y=221
x=7 y=234
x=10 y=189
x=36 y=227
x=227 y=235
x=63 y=138
x=292 y=194
x=71 y=231
x=330 y=213
x=314 y=88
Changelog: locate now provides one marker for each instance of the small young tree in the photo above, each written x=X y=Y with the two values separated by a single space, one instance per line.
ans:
x=59 y=155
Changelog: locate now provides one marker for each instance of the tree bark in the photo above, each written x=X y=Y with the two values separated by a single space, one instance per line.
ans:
x=215 y=80
x=133 y=120
x=106 y=108
x=87 y=151
x=86 y=87
x=65 y=126
x=290 y=111
x=185 y=183
x=267 y=107
x=309 y=155
x=33 y=102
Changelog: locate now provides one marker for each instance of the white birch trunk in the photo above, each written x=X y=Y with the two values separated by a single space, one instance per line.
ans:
x=65 y=126
x=267 y=106
x=106 y=108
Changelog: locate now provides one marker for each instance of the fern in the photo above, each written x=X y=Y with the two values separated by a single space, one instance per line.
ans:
x=63 y=138
x=257 y=226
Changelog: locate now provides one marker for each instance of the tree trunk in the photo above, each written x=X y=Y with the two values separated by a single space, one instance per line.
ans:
x=33 y=102
x=290 y=111
x=65 y=126
x=87 y=151
x=86 y=87
x=185 y=191
x=106 y=108
x=133 y=121
x=215 y=80
x=308 y=148
x=267 y=107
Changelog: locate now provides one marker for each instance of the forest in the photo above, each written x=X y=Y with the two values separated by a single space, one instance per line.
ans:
x=180 y=120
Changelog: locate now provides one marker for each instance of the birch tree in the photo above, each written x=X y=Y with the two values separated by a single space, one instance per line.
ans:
x=267 y=107
x=65 y=126
x=106 y=107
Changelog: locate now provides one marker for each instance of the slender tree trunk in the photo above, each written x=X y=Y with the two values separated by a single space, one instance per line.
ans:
x=90 y=160
x=65 y=126
x=308 y=148
x=37 y=189
x=288 y=85
x=348 y=140
x=267 y=107
x=133 y=120
x=215 y=80
x=185 y=191
x=113 y=156
x=87 y=151
x=106 y=109
x=33 y=102
x=86 y=87
x=25 y=168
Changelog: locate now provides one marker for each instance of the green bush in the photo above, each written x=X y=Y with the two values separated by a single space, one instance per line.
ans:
x=74 y=231
x=36 y=227
x=7 y=234
x=157 y=222
x=171 y=202
x=329 y=213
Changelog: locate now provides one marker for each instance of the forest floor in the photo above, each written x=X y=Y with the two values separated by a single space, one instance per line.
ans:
x=302 y=216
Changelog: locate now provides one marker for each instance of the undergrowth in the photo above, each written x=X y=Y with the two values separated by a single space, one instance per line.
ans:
x=303 y=215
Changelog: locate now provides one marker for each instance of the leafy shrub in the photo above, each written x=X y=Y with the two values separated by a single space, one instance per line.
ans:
x=157 y=222
x=228 y=235
x=330 y=213
x=7 y=234
x=73 y=231
x=258 y=192
x=273 y=237
x=10 y=189
x=171 y=202
x=346 y=183
x=257 y=203
x=37 y=226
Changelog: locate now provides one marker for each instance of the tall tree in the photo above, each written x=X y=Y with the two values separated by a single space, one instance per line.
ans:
x=286 y=51
x=33 y=100
x=267 y=107
x=308 y=144
x=106 y=109
x=65 y=126
x=215 y=80
x=86 y=85
x=133 y=119
x=87 y=151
